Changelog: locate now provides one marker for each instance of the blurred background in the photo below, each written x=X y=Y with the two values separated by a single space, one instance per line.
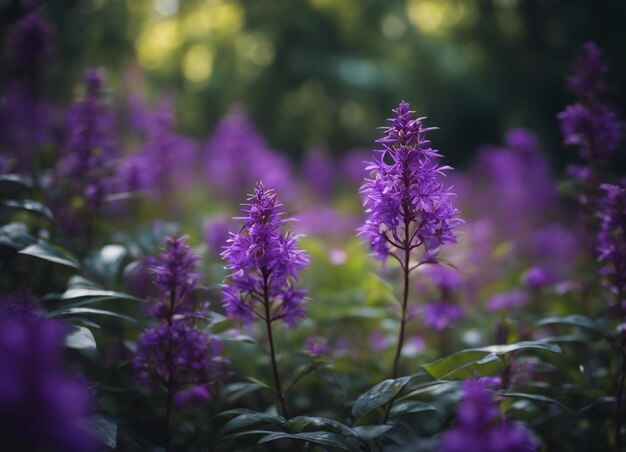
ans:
x=326 y=73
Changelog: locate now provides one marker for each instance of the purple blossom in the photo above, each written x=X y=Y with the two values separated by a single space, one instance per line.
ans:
x=175 y=278
x=479 y=428
x=41 y=408
x=237 y=156
x=30 y=45
x=587 y=81
x=264 y=264
x=405 y=201
x=594 y=129
x=611 y=239
x=512 y=299
x=319 y=171
x=316 y=346
x=440 y=315
x=165 y=162
x=217 y=231
x=590 y=124
x=173 y=352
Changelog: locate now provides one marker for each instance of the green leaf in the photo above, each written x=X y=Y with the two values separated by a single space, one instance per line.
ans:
x=81 y=338
x=534 y=397
x=300 y=423
x=235 y=391
x=250 y=417
x=49 y=252
x=576 y=320
x=481 y=361
x=377 y=396
x=370 y=432
x=16 y=179
x=328 y=439
x=16 y=235
x=77 y=292
x=81 y=311
x=409 y=407
x=28 y=205
x=106 y=429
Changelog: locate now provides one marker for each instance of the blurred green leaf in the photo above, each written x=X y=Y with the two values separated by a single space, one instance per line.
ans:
x=247 y=418
x=409 y=407
x=81 y=338
x=370 y=432
x=52 y=253
x=28 y=205
x=77 y=311
x=328 y=439
x=300 y=423
x=106 y=429
x=533 y=397
x=16 y=235
x=16 y=179
x=576 y=320
x=377 y=396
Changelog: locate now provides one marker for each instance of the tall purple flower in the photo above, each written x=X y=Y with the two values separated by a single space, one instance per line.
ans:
x=263 y=260
x=591 y=124
x=174 y=353
x=479 y=428
x=406 y=203
x=237 y=156
x=41 y=408
x=264 y=264
x=407 y=207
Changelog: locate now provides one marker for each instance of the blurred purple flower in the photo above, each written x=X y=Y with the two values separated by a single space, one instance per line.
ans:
x=405 y=201
x=440 y=315
x=319 y=171
x=512 y=299
x=217 y=231
x=611 y=239
x=479 y=429
x=378 y=341
x=237 y=156
x=594 y=129
x=264 y=264
x=325 y=220
x=587 y=80
x=165 y=162
x=538 y=277
x=30 y=45
x=353 y=165
x=316 y=346
x=41 y=408
x=445 y=278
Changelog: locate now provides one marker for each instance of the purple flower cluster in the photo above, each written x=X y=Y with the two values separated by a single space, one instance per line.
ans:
x=480 y=430
x=264 y=264
x=443 y=312
x=406 y=203
x=237 y=156
x=41 y=408
x=90 y=152
x=611 y=239
x=30 y=45
x=590 y=124
x=174 y=352
x=319 y=171
x=164 y=163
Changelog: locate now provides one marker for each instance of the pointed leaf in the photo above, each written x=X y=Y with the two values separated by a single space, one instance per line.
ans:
x=370 y=432
x=28 y=205
x=81 y=338
x=576 y=320
x=106 y=429
x=49 y=252
x=81 y=311
x=409 y=407
x=377 y=396
x=328 y=439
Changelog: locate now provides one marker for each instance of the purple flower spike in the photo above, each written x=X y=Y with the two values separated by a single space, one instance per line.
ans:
x=173 y=353
x=264 y=263
x=406 y=204
x=479 y=429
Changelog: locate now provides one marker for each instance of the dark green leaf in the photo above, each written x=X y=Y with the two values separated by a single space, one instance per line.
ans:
x=28 y=205
x=47 y=251
x=328 y=439
x=576 y=320
x=481 y=361
x=16 y=179
x=377 y=396
x=410 y=406
x=535 y=397
x=370 y=432
x=250 y=418
x=16 y=235
x=81 y=311
x=300 y=423
x=106 y=428
x=81 y=338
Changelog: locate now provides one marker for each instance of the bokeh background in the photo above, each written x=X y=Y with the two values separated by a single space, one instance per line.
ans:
x=325 y=72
